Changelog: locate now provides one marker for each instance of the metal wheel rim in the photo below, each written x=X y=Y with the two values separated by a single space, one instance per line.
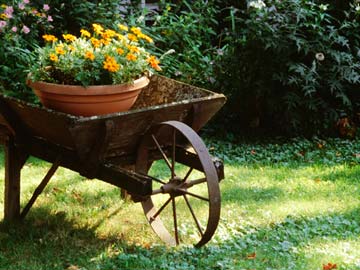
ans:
x=142 y=166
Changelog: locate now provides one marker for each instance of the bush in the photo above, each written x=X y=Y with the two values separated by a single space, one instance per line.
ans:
x=32 y=19
x=20 y=26
x=291 y=66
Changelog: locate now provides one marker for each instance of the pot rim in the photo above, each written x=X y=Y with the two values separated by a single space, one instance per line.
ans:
x=66 y=89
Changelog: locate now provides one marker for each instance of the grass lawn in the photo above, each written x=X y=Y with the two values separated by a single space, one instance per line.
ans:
x=285 y=205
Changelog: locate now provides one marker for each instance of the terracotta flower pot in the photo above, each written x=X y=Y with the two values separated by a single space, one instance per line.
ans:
x=91 y=100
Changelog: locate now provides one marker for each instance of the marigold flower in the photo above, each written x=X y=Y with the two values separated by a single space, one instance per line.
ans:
x=154 y=62
x=131 y=57
x=134 y=49
x=69 y=37
x=136 y=30
x=53 y=57
x=120 y=51
x=105 y=41
x=95 y=42
x=110 y=64
x=132 y=37
x=123 y=27
x=329 y=266
x=145 y=37
x=60 y=50
x=49 y=38
x=89 y=55
x=85 y=33
x=98 y=28
x=108 y=33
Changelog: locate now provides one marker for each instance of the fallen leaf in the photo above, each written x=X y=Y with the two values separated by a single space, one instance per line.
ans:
x=251 y=256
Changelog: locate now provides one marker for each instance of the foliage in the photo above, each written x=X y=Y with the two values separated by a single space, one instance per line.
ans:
x=104 y=57
x=291 y=66
x=188 y=29
x=20 y=26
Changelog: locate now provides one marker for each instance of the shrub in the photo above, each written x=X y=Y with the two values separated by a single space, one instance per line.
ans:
x=291 y=66
x=20 y=26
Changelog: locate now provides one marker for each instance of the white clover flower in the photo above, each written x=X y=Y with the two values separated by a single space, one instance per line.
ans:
x=323 y=7
x=258 y=4
x=320 y=56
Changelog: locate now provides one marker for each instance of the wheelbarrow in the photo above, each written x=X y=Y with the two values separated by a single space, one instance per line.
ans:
x=182 y=203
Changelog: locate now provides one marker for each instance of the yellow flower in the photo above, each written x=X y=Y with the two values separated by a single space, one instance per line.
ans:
x=95 y=42
x=136 y=30
x=110 y=64
x=120 y=37
x=59 y=50
x=154 y=62
x=89 y=55
x=3 y=6
x=105 y=41
x=53 y=57
x=108 y=33
x=134 y=49
x=69 y=37
x=98 y=28
x=120 y=51
x=71 y=48
x=49 y=38
x=85 y=33
x=3 y=16
x=131 y=57
x=123 y=27
x=132 y=37
x=145 y=37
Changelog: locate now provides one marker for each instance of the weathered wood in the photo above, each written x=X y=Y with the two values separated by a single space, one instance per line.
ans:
x=41 y=187
x=14 y=161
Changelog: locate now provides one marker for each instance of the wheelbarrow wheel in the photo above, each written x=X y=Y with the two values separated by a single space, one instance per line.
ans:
x=184 y=206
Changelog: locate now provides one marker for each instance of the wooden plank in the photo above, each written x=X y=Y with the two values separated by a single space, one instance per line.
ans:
x=14 y=161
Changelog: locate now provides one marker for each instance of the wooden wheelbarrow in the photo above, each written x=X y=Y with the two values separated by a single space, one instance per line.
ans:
x=182 y=204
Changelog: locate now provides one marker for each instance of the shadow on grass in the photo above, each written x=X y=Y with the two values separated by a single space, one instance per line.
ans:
x=48 y=241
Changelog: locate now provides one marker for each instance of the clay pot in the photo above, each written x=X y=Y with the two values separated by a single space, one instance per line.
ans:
x=91 y=100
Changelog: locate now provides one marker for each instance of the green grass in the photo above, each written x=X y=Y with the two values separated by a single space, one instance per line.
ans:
x=285 y=205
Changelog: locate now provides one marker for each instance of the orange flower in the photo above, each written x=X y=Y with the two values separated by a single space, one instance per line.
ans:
x=134 y=49
x=329 y=266
x=251 y=256
x=60 y=50
x=49 y=38
x=85 y=33
x=120 y=51
x=53 y=57
x=110 y=64
x=95 y=42
x=132 y=37
x=154 y=62
x=69 y=37
x=131 y=57
x=89 y=55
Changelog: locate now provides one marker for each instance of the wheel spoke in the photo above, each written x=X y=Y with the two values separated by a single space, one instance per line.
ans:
x=153 y=178
x=193 y=215
x=162 y=152
x=175 y=221
x=192 y=194
x=173 y=154
x=160 y=209
x=188 y=174
x=194 y=182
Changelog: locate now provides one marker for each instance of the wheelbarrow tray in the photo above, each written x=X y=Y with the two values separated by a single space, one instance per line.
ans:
x=164 y=99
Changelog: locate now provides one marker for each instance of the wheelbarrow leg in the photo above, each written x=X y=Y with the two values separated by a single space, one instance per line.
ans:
x=14 y=161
